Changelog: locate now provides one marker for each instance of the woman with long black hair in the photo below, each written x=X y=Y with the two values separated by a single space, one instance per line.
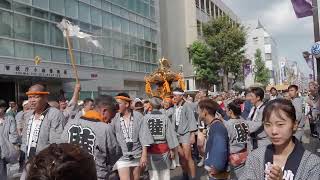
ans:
x=285 y=158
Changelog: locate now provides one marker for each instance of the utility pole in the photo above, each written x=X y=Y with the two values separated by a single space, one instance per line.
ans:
x=316 y=32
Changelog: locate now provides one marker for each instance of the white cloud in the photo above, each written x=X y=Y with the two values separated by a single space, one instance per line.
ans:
x=280 y=18
x=292 y=35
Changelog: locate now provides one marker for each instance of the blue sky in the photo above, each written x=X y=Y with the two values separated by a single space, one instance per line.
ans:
x=292 y=35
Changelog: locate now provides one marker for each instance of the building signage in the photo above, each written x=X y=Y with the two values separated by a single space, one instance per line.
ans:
x=32 y=70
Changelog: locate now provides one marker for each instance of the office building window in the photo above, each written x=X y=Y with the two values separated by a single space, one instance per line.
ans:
x=146 y=10
x=72 y=8
x=86 y=59
x=140 y=32
x=133 y=51
x=86 y=1
x=97 y=61
x=216 y=11
x=133 y=66
x=126 y=50
x=132 y=17
x=129 y=65
x=125 y=65
x=96 y=3
x=202 y=5
x=106 y=6
x=152 y=12
x=22 y=8
x=6 y=48
x=268 y=56
x=117 y=48
x=141 y=53
x=125 y=26
x=96 y=30
x=106 y=20
x=154 y=57
x=148 y=68
x=142 y=67
x=208 y=6
x=43 y=52
x=84 y=14
x=57 y=6
x=5 y=4
x=44 y=4
x=40 y=13
x=131 y=5
x=147 y=55
x=23 y=50
x=153 y=36
x=212 y=9
x=133 y=29
x=107 y=49
x=255 y=40
x=116 y=24
x=267 y=40
x=84 y=45
x=59 y=55
x=22 y=27
x=40 y=31
x=55 y=17
x=24 y=1
x=124 y=13
x=147 y=34
x=139 y=7
x=118 y=64
x=115 y=10
x=96 y=16
x=56 y=36
x=85 y=27
x=124 y=3
x=6 y=24
x=108 y=62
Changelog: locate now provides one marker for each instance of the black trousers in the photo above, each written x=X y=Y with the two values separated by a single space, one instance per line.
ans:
x=3 y=169
x=313 y=128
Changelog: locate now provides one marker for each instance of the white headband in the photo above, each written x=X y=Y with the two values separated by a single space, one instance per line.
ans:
x=24 y=103
x=178 y=93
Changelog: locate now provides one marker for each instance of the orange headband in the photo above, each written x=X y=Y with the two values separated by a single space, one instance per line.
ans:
x=123 y=98
x=37 y=93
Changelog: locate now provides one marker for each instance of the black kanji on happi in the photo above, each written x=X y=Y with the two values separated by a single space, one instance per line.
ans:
x=82 y=136
x=156 y=127
x=242 y=132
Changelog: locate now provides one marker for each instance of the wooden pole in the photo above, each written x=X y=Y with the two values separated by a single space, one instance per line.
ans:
x=74 y=67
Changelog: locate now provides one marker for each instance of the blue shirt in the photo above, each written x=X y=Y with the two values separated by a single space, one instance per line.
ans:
x=217 y=148
x=246 y=109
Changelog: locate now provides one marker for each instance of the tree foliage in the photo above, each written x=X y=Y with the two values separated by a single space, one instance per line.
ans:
x=206 y=69
x=261 y=73
x=222 y=48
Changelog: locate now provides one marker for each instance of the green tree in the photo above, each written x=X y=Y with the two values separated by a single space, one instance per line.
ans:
x=224 y=43
x=261 y=72
x=205 y=68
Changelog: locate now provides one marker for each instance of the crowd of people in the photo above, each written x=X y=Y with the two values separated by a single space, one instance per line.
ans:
x=245 y=136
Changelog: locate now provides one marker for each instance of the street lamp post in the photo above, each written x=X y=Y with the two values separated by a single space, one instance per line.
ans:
x=316 y=32
x=310 y=59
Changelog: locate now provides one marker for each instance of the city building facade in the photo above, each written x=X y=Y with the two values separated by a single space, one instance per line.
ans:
x=259 y=38
x=181 y=24
x=128 y=31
